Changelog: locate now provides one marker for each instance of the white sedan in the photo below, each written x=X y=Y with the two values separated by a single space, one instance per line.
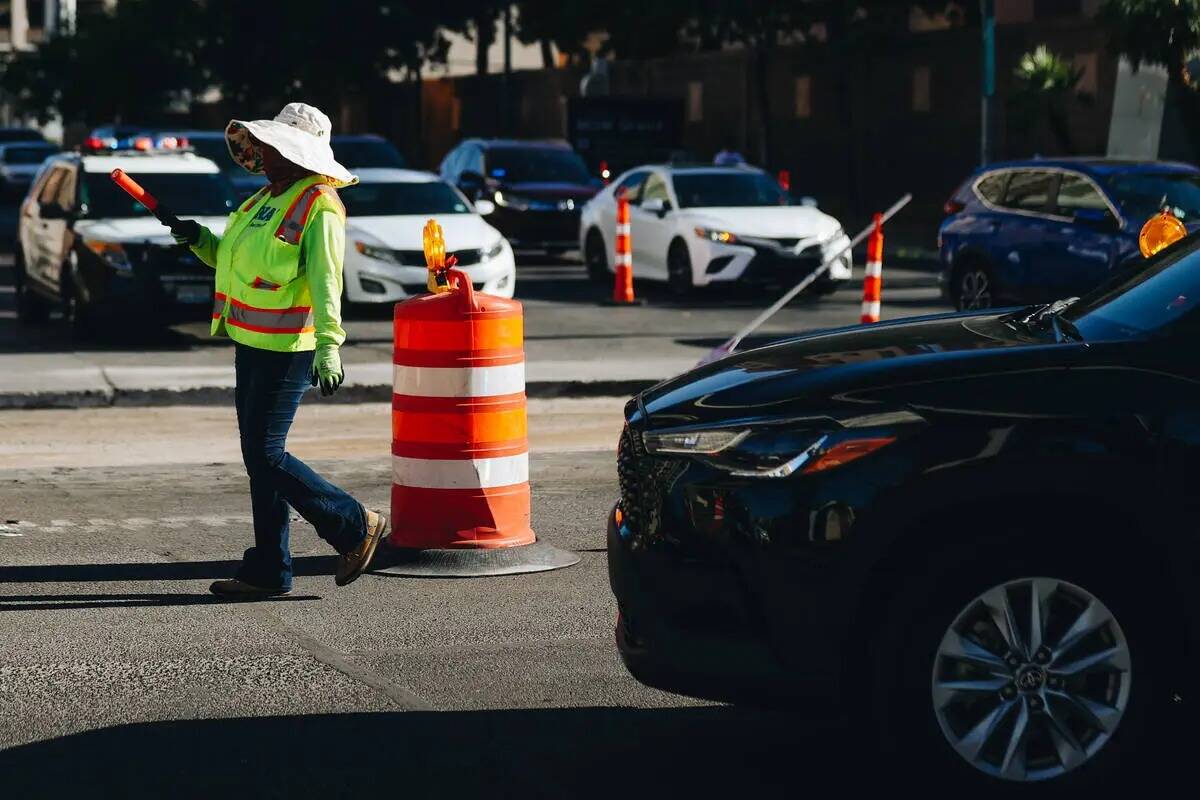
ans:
x=385 y=215
x=696 y=226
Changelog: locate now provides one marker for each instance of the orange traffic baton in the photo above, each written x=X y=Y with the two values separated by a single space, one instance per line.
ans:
x=460 y=448
x=873 y=281
x=135 y=190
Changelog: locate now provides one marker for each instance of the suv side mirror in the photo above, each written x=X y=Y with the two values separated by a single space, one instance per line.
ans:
x=657 y=205
x=1097 y=218
x=484 y=207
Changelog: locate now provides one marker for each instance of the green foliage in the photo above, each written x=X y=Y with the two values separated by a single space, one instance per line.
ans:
x=1161 y=32
x=1042 y=71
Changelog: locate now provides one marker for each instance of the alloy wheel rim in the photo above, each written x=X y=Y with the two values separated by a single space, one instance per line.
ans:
x=1031 y=679
x=975 y=290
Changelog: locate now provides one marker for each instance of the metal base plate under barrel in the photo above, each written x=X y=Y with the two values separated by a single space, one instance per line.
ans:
x=471 y=563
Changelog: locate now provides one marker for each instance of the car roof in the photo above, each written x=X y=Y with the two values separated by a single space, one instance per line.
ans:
x=1093 y=165
x=393 y=175
x=538 y=144
x=357 y=137
x=156 y=162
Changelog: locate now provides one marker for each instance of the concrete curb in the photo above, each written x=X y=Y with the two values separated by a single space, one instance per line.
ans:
x=223 y=395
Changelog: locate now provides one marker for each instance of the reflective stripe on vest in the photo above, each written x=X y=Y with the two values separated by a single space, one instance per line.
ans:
x=253 y=199
x=298 y=319
x=292 y=226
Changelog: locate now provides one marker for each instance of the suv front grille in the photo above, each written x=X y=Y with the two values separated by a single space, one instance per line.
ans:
x=416 y=258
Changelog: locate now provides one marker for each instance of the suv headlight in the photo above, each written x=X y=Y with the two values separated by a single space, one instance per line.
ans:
x=377 y=253
x=112 y=253
x=715 y=235
x=767 y=452
x=510 y=201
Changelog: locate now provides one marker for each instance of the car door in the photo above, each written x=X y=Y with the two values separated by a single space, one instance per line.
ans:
x=651 y=230
x=61 y=235
x=1022 y=249
x=606 y=214
x=47 y=234
x=1083 y=242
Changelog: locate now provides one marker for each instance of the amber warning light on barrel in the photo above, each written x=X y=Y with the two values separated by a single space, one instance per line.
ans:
x=1160 y=232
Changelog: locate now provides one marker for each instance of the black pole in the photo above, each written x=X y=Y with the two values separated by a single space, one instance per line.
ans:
x=507 y=83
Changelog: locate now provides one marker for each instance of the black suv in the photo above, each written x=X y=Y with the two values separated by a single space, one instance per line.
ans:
x=537 y=188
x=977 y=531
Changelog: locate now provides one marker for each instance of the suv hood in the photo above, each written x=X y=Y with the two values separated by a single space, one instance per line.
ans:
x=853 y=368
x=580 y=192
x=138 y=230
x=767 y=221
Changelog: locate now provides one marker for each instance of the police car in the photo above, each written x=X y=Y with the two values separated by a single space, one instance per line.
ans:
x=88 y=248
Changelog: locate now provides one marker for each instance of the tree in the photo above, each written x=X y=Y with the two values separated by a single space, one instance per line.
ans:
x=1046 y=86
x=1161 y=32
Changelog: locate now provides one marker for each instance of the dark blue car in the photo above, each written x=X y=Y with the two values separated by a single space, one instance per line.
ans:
x=1039 y=230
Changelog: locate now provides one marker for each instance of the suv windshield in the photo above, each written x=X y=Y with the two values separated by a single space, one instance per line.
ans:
x=188 y=194
x=1145 y=298
x=27 y=155
x=727 y=190
x=1142 y=195
x=536 y=165
x=366 y=153
x=387 y=199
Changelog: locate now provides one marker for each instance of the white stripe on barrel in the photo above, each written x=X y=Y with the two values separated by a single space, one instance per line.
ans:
x=478 y=473
x=458 y=381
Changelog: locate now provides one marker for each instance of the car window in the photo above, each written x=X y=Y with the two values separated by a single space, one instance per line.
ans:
x=49 y=192
x=1141 y=195
x=65 y=196
x=395 y=199
x=1029 y=190
x=991 y=187
x=190 y=194
x=1076 y=192
x=27 y=155
x=655 y=188
x=632 y=184
x=734 y=189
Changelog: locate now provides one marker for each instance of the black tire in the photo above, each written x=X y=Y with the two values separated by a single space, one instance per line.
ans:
x=79 y=314
x=973 y=288
x=595 y=258
x=32 y=309
x=679 y=269
x=825 y=286
x=898 y=673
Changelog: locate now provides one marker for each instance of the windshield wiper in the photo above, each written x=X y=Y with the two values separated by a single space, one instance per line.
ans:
x=1065 y=329
x=1050 y=314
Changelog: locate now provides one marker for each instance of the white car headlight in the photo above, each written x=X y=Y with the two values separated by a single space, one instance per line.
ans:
x=511 y=201
x=715 y=235
x=377 y=253
x=112 y=253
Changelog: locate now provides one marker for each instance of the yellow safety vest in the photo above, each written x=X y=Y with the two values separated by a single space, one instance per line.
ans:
x=262 y=297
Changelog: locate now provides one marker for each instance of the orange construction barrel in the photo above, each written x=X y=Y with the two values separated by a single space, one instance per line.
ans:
x=460 y=447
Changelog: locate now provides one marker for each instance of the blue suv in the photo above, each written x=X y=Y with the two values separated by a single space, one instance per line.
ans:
x=1039 y=230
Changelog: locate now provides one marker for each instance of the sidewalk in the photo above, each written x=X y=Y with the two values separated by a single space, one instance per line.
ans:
x=556 y=368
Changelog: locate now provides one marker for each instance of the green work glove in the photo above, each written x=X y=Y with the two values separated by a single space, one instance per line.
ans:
x=327 y=369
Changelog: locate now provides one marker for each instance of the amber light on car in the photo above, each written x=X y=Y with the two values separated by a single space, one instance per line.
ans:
x=845 y=452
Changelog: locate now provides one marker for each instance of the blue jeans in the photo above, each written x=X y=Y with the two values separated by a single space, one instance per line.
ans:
x=269 y=388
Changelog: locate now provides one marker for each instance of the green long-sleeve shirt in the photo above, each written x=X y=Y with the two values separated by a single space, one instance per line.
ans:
x=259 y=276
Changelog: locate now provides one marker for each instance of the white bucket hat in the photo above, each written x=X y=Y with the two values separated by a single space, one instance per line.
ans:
x=299 y=132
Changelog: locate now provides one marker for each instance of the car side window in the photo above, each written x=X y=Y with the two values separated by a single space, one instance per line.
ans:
x=991 y=187
x=473 y=160
x=632 y=184
x=1029 y=190
x=49 y=192
x=654 y=188
x=1076 y=192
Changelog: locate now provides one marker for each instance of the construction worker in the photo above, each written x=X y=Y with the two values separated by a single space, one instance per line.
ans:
x=278 y=296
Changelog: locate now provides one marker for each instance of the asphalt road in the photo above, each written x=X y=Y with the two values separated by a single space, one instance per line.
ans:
x=121 y=677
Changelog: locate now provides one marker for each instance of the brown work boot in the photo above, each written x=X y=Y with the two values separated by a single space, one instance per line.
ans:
x=355 y=563
x=235 y=589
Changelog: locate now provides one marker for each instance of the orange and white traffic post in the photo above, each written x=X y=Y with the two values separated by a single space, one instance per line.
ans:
x=873 y=282
x=623 y=282
x=460 y=447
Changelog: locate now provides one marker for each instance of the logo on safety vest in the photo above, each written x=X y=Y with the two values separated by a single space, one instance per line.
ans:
x=264 y=214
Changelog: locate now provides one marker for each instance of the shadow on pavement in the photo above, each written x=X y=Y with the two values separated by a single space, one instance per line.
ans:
x=523 y=753
x=150 y=571
x=58 y=602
